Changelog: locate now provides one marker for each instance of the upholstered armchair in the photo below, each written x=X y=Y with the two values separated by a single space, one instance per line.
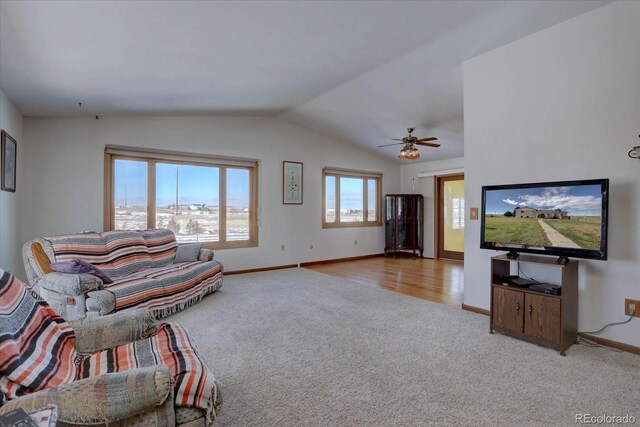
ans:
x=100 y=371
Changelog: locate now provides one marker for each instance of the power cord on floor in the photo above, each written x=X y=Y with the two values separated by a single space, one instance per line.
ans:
x=589 y=343
x=601 y=330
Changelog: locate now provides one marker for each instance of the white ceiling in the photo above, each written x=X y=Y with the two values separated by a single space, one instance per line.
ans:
x=360 y=72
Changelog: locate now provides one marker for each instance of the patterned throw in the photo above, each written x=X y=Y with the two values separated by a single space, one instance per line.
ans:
x=37 y=347
x=37 y=351
x=117 y=253
x=162 y=246
x=141 y=266
x=167 y=288
x=171 y=347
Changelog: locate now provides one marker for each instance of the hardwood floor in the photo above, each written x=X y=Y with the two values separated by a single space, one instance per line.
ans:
x=434 y=280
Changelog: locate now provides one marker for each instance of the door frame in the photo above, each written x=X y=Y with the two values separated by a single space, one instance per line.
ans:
x=439 y=251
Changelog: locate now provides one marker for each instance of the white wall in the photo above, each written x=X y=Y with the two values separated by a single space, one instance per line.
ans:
x=413 y=183
x=562 y=104
x=10 y=257
x=66 y=188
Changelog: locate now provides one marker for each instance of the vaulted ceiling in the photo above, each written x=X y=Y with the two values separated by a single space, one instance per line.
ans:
x=359 y=72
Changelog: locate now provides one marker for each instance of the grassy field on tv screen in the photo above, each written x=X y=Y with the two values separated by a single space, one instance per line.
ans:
x=583 y=232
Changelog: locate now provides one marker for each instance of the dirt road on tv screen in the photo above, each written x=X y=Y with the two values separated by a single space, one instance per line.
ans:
x=581 y=232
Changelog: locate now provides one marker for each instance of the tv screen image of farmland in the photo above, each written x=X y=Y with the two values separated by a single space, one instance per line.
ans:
x=567 y=217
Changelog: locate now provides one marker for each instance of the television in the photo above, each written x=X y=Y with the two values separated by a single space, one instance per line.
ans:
x=564 y=219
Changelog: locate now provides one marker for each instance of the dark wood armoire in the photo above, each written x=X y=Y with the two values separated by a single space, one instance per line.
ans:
x=404 y=215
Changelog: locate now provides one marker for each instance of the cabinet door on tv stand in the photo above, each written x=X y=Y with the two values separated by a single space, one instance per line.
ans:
x=542 y=318
x=508 y=310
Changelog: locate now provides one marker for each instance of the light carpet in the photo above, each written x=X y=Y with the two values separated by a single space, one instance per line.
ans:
x=300 y=348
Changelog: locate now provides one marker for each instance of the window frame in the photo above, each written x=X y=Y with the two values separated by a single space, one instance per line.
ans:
x=365 y=176
x=162 y=157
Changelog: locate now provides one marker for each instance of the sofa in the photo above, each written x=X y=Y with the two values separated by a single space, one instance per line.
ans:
x=123 y=369
x=140 y=263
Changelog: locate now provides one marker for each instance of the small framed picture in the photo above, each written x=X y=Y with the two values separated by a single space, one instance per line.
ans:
x=292 y=183
x=9 y=158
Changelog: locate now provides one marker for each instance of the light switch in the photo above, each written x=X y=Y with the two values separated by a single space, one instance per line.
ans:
x=473 y=214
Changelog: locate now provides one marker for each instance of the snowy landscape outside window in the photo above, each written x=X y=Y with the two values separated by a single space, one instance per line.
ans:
x=208 y=203
x=351 y=198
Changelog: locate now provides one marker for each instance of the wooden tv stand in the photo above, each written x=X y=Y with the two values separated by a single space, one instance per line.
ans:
x=548 y=320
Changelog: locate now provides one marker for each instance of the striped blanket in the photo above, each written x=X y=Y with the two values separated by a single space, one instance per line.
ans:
x=37 y=351
x=37 y=347
x=167 y=289
x=141 y=266
x=162 y=246
x=117 y=253
x=172 y=347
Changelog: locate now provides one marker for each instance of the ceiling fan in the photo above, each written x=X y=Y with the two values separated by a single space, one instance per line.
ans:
x=409 y=150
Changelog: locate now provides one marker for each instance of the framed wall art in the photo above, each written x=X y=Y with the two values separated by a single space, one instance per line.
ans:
x=9 y=148
x=292 y=183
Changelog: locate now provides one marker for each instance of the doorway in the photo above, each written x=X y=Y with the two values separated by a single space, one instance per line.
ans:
x=450 y=216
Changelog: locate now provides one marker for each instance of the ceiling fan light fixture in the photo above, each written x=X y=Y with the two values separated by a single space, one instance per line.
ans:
x=409 y=152
x=404 y=152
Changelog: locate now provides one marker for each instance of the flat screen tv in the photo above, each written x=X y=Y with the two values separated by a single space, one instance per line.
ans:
x=564 y=219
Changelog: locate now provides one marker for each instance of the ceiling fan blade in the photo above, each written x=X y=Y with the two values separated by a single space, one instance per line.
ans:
x=389 y=145
x=397 y=139
x=431 y=138
x=427 y=144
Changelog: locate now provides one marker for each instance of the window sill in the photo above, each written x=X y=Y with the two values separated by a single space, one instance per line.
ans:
x=230 y=245
x=351 y=224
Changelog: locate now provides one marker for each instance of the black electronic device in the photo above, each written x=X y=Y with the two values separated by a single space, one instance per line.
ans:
x=518 y=281
x=546 y=288
x=564 y=219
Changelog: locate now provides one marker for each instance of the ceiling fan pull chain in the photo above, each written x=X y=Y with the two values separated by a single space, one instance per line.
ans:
x=413 y=165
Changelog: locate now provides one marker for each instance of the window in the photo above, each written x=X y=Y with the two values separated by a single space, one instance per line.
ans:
x=351 y=198
x=130 y=185
x=458 y=213
x=200 y=198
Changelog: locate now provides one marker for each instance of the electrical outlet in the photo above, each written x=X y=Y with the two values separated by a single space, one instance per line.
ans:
x=629 y=304
x=282 y=248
